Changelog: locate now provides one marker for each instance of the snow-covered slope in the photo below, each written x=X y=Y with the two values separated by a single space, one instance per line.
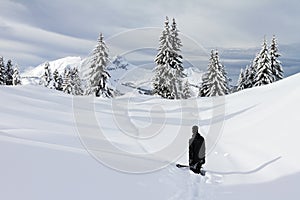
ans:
x=31 y=75
x=255 y=155
x=59 y=64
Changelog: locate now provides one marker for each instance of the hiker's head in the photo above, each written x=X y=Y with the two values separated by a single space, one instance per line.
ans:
x=195 y=129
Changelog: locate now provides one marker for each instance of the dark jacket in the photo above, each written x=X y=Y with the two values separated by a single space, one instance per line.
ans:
x=197 y=150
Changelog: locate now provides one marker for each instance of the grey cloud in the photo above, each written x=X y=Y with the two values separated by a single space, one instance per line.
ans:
x=226 y=23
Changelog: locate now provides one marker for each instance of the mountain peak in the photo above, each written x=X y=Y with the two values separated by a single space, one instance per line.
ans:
x=118 y=62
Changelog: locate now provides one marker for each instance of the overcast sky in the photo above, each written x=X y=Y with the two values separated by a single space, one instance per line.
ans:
x=33 y=31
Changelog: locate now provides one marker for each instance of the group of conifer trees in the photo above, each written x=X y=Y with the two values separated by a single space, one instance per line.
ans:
x=69 y=81
x=169 y=74
x=266 y=67
x=9 y=74
x=169 y=79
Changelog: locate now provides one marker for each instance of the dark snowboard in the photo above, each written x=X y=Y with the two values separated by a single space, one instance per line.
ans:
x=202 y=172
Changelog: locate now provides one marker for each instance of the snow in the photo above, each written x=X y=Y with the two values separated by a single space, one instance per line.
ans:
x=255 y=156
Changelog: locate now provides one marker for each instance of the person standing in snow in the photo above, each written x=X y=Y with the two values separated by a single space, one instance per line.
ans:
x=196 y=151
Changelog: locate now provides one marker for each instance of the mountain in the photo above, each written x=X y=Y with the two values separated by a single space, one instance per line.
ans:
x=31 y=75
x=125 y=77
x=251 y=137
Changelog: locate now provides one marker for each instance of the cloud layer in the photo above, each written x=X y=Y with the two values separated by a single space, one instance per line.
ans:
x=38 y=30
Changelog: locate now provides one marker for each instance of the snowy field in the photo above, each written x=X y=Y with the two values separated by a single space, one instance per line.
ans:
x=254 y=153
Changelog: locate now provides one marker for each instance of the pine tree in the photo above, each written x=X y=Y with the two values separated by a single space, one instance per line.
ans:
x=176 y=62
x=167 y=81
x=187 y=90
x=264 y=73
x=203 y=91
x=216 y=82
x=160 y=84
x=46 y=78
x=175 y=40
x=57 y=80
x=250 y=73
x=67 y=82
x=99 y=75
x=242 y=80
x=16 y=77
x=76 y=82
x=275 y=62
x=2 y=72
x=224 y=74
x=9 y=73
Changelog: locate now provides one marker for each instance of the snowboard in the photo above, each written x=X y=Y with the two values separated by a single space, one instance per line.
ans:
x=209 y=177
x=202 y=171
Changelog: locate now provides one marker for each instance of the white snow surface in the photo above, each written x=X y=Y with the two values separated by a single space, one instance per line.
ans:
x=256 y=155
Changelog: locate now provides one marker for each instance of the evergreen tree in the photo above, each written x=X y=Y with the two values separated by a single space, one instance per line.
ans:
x=204 y=88
x=167 y=81
x=216 y=81
x=76 y=82
x=165 y=47
x=46 y=78
x=275 y=62
x=187 y=90
x=99 y=75
x=9 y=73
x=175 y=40
x=223 y=72
x=2 y=72
x=16 y=77
x=176 y=62
x=57 y=80
x=264 y=73
x=67 y=82
x=250 y=73
x=242 y=80
x=160 y=84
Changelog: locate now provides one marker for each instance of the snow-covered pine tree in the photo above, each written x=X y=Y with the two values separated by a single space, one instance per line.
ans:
x=167 y=81
x=217 y=83
x=186 y=90
x=46 y=78
x=76 y=82
x=242 y=80
x=250 y=73
x=160 y=82
x=176 y=62
x=223 y=72
x=99 y=75
x=2 y=72
x=204 y=87
x=16 y=77
x=9 y=73
x=264 y=74
x=175 y=40
x=67 y=82
x=57 y=80
x=275 y=62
